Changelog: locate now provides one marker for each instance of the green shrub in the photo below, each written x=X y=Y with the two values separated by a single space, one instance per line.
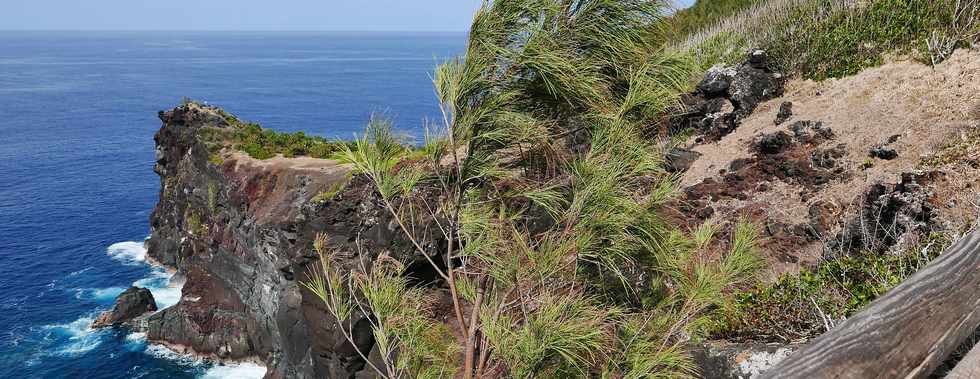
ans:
x=260 y=143
x=331 y=192
x=804 y=305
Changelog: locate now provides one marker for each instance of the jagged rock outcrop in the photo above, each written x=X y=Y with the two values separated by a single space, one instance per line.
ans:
x=728 y=94
x=130 y=304
x=241 y=233
x=890 y=213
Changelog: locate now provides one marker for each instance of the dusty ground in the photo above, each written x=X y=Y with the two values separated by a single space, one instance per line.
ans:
x=919 y=108
x=277 y=187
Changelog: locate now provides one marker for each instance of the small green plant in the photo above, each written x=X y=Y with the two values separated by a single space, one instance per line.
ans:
x=212 y=196
x=867 y=163
x=808 y=304
x=194 y=223
x=962 y=149
x=331 y=192
x=216 y=159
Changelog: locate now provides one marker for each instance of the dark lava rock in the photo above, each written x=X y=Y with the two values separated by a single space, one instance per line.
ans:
x=246 y=259
x=888 y=212
x=812 y=132
x=743 y=86
x=679 y=160
x=759 y=59
x=773 y=143
x=130 y=304
x=882 y=152
x=717 y=81
x=785 y=112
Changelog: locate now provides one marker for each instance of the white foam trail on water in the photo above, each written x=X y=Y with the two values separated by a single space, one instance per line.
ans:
x=129 y=252
x=163 y=352
x=245 y=370
x=99 y=294
x=158 y=282
x=235 y=371
x=81 y=337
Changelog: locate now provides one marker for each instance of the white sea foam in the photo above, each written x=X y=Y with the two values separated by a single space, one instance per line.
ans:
x=99 y=294
x=129 y=252
x=136 y=337
x=163 y=352
x=236 y=371
x=211 y=370
x=136 y=341
x=81 y=337
x=165 y=291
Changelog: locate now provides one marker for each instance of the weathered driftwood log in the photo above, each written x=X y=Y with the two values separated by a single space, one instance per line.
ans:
x=906 y=333
x=969 y=366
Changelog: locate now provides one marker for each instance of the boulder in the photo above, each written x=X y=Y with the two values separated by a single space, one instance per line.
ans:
x=679 y=160
x=132 y=303
x=882 y=152
x=721 y=360
x=773 y=143
x=739 y=87
x=785 y=112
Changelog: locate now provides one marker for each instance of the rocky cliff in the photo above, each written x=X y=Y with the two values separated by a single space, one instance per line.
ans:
x=818 y=166
x=239 y=231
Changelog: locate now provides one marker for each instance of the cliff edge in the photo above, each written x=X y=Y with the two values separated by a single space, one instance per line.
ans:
x=239 y=230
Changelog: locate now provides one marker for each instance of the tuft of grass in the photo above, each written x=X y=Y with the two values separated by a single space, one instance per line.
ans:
x=963 y=149
x=546 y=193
x=212 y=196
x=331 y=192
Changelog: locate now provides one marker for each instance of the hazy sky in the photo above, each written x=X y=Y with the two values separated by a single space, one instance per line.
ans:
x=357 y=15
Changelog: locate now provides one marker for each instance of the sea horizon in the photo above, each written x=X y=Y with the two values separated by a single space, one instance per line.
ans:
x=80 y=112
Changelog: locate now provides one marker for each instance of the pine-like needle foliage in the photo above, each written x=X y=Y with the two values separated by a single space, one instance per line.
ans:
x=545 y=193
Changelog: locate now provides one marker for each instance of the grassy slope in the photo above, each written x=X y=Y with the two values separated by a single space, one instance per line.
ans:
x=821 y=39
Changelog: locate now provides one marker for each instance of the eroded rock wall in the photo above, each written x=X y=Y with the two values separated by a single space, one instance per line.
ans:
x=240 y=232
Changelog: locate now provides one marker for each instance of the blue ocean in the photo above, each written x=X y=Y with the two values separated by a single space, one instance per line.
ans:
x=77 y=116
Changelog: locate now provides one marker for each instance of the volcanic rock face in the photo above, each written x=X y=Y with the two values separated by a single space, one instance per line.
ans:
x=241 y=233
x=132 y=303
x=728 y=94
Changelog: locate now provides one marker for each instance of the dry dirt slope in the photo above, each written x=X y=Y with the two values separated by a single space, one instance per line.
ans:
x=914 y=109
